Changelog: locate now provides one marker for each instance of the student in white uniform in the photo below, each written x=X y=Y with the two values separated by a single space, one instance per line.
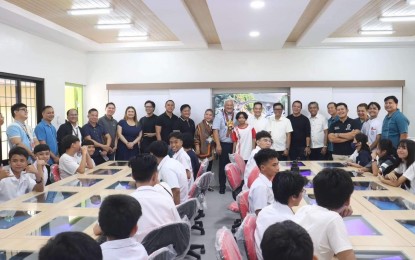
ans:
x=333 y=188
x=243 y=136
x=260 y=193
x=287 y=240
x=373 y=127
x=171 y=171
x=288 y=190
x=16 y=181
x=118 y=217
x=176 y=145
x=42 y=153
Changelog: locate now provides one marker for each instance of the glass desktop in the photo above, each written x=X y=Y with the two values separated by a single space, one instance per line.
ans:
x=331 y=164
x=408 y=224
x=367 y=185
x=289 y=164
x=10 y=218
x=380 y=255
x=50 y=197
x=105 y=171
x=14 y=255
x=119 y=163
x=358 y=226
x=82 y=182
x=121 y=185
x=391 y=203
x=62 y=224
x=92 y=202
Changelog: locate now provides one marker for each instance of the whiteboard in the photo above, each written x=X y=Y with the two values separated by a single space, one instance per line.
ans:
x=198 y=99
x=351 y=96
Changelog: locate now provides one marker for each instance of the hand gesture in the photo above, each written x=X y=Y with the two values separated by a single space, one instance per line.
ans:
x=84 y=150
x=391 y=176
x=40 y=163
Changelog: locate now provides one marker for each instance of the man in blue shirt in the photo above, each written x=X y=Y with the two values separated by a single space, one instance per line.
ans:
x=395 y=125
x=96 y=133
x=46 y=133
x=332 y=110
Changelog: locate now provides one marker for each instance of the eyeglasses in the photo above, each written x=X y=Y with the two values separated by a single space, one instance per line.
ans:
x=277 y=109
x=23 y=109
x=148 y=107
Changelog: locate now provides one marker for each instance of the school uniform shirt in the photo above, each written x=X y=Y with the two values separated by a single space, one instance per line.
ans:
x=318 y=124
x=326 y=228
x=250 y=165
x=12 y=187
x=158 y=209
x=372 y=128
x=174 y=173
x=67 y=165
x=279 y=129
x=78 y=157
x=260 y=194
x=410 y=175
x=126 y=249
x=45 y=173
x=259 y=123
x=363 y=158
x=271 y=214
x=243 y=138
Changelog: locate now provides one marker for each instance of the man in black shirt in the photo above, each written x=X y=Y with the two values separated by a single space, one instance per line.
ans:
x=148 y=126
x=342 y=133
x=300 y=136
x=185 y=124
x=165 y=122
x=362 y=114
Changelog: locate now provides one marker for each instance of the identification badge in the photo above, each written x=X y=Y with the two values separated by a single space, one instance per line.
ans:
x=209 y=140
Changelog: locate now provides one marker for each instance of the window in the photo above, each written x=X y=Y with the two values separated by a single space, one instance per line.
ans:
x=14 y=89
x=74 y=98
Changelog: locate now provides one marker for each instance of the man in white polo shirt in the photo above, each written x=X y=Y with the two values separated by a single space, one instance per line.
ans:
x=280 y=129
x=171 y=171
x=258 y=121
x=319 y=132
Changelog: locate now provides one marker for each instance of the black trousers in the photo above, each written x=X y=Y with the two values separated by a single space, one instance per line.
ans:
x=223 y=161
x=316 y=155
x=297 y=153
x=282 y=157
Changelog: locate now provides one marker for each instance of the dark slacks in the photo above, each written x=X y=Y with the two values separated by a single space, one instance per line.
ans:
x=223 y=160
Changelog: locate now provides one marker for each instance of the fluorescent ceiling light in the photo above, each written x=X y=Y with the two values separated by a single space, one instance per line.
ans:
x=376 y=32
x=397 y=18
x=114 y=26
x=90 y=11
x=132 y=38
x=254 y=34
x=257 y=4
x=411 y=2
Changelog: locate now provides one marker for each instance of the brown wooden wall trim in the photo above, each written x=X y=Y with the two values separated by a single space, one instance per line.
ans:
x=258 y=84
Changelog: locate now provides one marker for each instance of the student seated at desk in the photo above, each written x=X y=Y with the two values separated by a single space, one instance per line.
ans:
x=383 y=159
x=333 y=188
x=71 y=246
x=404 y=174
x=42 y=153
x=69 y=163
x=16 y=181
x=287 y=188
x=118 y=217
x=361 y=156
x=91 y=150
x=260 y=193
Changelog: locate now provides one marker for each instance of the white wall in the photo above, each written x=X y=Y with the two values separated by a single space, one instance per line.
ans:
x=282 y=65
x=25 y=54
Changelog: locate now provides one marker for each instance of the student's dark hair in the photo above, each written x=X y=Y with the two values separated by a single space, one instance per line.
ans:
x=16 y=107
x=387 y=145
x=176 y=135
x=188 y=141
x=391 y=97
x=376 y=104
x=158 y=149
x=332 y=188
x=410 y=146
x=257 y=103
x=264 y=155
x=71 y=246
x=362 y=138
x=278 y=104
x=69 y=110
x=143 y=167
x=182 y=107
x=332 y=103
x=68 y=140
x=262 y=134
x=245 y=115
x=150 y=102
x=87 y=142
x=92 y=110
x=286 y=184
x=17 y=150
x=118 y=215
x=313 y=103
x=363 y=105
x=169 y=101
x=342 y=104
x=45 y=107
x=109 y=103
x=286 y=240
x=41 y=148
x=299 y=102
x=211 y=110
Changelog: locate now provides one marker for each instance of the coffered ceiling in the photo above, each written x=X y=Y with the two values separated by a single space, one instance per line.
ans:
x=223 y=24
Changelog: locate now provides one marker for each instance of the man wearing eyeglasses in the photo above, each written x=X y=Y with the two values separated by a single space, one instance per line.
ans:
x=70 y=127
x=280 y=129
x=19 y=133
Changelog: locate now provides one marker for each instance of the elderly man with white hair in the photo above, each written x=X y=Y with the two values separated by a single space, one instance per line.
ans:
x=223 y=125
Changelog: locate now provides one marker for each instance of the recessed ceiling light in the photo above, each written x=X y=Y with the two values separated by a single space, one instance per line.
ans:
x=254 y=34
x=376 y=32
x=257 y=4
x=132 y=38
x=90 y=11
x=411 y=2
x=397 y=18
x=114 y=26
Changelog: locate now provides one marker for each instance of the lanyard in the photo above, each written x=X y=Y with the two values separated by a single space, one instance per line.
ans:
x=23 y=126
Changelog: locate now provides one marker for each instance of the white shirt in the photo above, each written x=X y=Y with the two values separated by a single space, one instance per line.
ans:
x=182 y=156
x=126 y=249
x=11 y=187
x=318 y=125
x=67 y=165
x=271 y=214
x=250 y=165
x=279 y=129
x=326 y=229
x=372 y=128
x=410 y=175
x=243 y=137
x=158 y=209
x=260 y=194
x=45 y=173
x=259 y=123
x=78 y=157
x=174 y=173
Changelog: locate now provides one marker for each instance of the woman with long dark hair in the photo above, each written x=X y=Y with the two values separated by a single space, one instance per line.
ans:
x=129 y=135
x=362 y=150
